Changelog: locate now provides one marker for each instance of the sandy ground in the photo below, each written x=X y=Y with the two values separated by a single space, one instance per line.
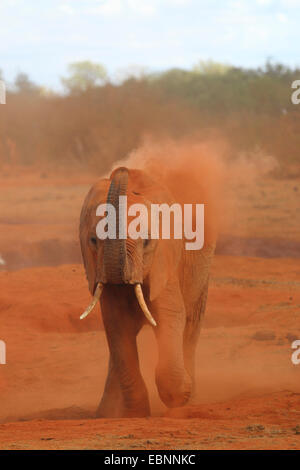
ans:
x=248 y=388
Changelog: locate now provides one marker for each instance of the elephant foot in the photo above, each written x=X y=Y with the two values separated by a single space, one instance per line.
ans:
x=138 y=407
x=174 y=393
x=111 y=404
x=108 y=411
x=122 y=412
x=136 y=413
x=193 y=398
x=116 y=409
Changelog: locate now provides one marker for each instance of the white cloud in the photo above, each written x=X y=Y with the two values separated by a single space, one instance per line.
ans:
x=282 y=18
x=111 y=8
x=106 y=7
x=177 y=2
x=264 y=2
x=67 y=9
x=290 y=3
x=141 y=7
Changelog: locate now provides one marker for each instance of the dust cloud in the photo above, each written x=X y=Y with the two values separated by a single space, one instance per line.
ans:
x=200 y=171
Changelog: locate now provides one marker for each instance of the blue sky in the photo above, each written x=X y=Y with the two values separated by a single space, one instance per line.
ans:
x=42 y=37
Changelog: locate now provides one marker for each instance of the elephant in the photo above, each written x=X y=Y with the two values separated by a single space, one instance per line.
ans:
x=133 y=277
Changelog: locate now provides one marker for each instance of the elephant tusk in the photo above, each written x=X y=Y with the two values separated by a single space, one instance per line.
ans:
x=141 y=301
x=93 y=303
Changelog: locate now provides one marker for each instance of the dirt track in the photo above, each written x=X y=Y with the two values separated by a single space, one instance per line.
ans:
x=55 y=364
x=257 y=423
x=248 y=388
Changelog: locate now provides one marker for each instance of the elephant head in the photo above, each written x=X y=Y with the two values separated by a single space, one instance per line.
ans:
x=132 y=277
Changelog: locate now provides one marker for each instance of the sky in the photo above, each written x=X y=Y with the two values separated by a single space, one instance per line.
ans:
x=41 y=37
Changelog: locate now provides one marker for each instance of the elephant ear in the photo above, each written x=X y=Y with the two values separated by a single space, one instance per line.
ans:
x=90 y=268
x=86 y=252
x=88 y=220
x=165 y=263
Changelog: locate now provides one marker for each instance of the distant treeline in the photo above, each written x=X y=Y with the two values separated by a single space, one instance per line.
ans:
x=97 y=121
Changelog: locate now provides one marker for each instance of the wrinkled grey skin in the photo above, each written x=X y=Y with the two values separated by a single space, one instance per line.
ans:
x=174 y=282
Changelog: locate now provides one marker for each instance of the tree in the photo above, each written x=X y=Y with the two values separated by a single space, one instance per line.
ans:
x=209 y=67
x=24 y=85
x=84 y=76
x=136 y=72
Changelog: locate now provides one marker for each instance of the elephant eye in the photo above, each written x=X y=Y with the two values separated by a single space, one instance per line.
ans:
x=146 y=242
x=93 y=240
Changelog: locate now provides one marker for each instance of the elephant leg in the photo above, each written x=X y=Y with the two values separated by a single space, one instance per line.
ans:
x=190 y=340
x=191 y=335
x=122 y=325
x=111 y=404
x=172 y=380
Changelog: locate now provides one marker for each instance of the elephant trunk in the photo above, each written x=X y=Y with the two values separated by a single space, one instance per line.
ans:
x=115 y=262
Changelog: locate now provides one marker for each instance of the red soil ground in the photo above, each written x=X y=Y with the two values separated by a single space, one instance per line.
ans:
x=248 y=388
